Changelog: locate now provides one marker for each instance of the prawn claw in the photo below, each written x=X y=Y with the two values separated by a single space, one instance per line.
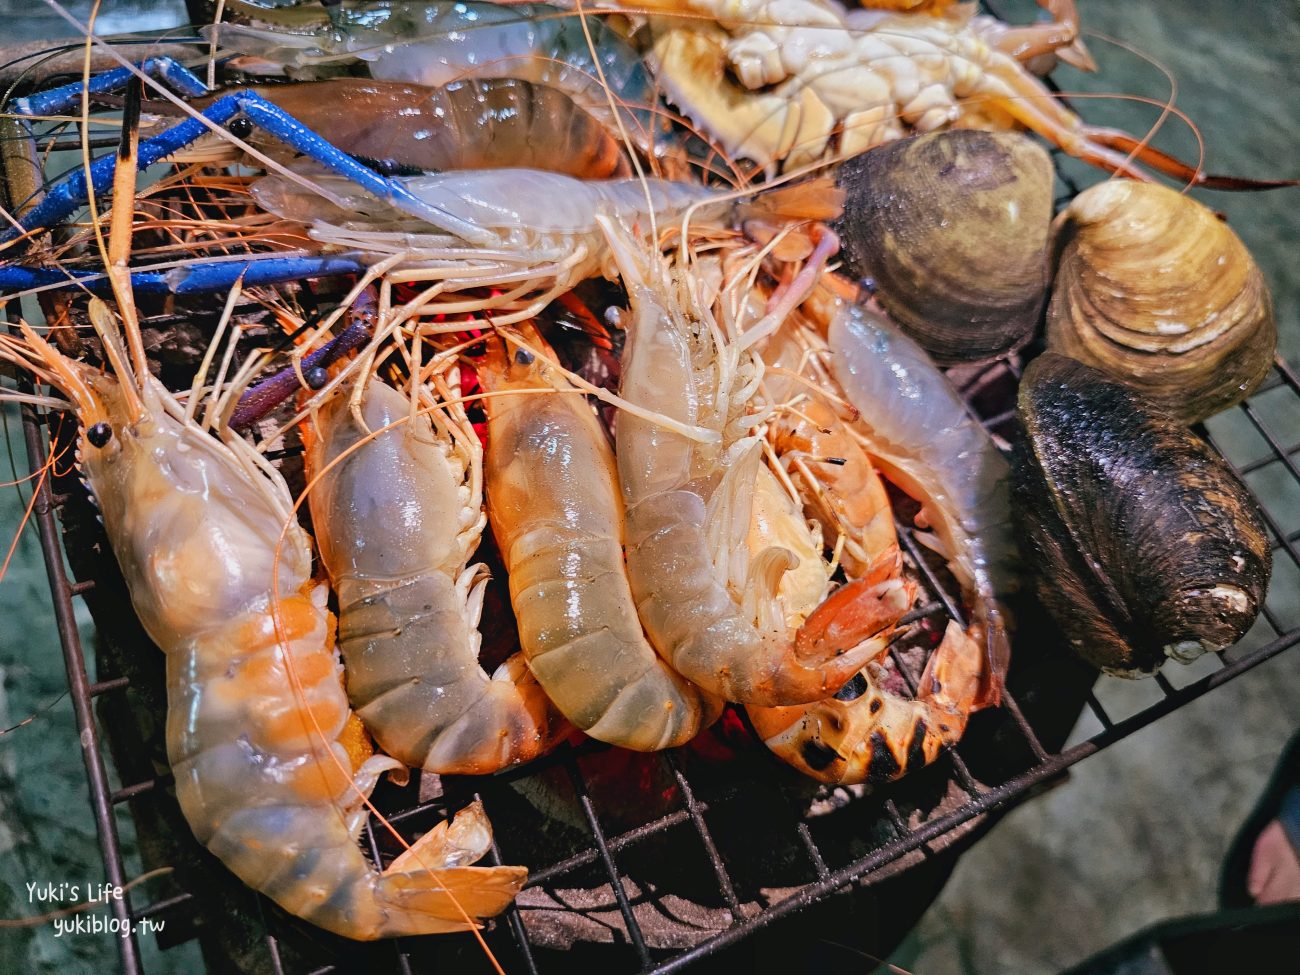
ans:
x=852 y=614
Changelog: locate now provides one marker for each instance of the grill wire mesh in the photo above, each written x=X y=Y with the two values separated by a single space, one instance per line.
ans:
x=1007 y=754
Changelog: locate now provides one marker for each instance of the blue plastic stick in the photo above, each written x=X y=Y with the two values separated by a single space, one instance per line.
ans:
x=197 y=278
x=58 y=100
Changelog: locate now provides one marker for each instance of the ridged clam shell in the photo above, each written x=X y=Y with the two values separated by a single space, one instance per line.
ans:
x=952 y=230
x=1147 y=546
x=1153 y=289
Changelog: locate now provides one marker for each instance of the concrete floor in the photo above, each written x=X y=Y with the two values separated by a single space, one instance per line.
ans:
x=1135 y=835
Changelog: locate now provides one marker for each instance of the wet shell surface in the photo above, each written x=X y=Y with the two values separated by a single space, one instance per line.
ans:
x=1155 y=290
x=951 y=230
x=1147 y=544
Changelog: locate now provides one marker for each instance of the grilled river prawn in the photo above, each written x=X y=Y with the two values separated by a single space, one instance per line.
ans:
x=397 y=505
x=917 y=430
x=439 y=42
x=472 y=123
x=704 y=604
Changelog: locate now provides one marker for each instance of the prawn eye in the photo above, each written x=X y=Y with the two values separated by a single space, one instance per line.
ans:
x=316 y=377
x=523 y=357
x=99 y=434
x=241 y=127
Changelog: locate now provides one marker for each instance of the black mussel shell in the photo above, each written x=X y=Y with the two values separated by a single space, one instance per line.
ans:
x=1147 y=545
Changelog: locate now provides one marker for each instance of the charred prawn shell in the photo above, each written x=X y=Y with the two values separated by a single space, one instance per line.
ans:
x=951 y=231
x=1148 y=545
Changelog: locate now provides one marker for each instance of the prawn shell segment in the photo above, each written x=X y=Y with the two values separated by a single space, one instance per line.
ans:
x=1155 y=290
x=557 y=517
x=951 y=230
x=1147 y=546
x=397 y=515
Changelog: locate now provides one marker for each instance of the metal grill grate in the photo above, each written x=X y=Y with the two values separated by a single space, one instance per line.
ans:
x=1008 y=753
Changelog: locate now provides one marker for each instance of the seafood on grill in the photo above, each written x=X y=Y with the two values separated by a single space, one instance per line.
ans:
x=555 y=510
x=1147 y=545
x=708 y=607
x=397 y=504
x=950 y=232
x=220 y=576
x=438 y=43
x=919 y=433
x=1155 y=290
x=786 y=83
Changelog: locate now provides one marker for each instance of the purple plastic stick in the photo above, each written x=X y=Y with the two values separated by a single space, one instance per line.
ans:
x=270 y=393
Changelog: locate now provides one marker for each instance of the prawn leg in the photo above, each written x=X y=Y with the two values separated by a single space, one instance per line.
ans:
x=1031 y=103
x=55 y=101
x=270 y=393
x=198 y=278
x=1059 y=36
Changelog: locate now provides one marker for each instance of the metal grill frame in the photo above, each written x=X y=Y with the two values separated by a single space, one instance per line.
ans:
x=605 y=846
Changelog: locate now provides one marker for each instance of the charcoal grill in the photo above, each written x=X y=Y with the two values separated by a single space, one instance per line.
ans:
x=599 y=878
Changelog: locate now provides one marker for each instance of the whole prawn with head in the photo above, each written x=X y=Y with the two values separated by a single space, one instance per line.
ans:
x=220 y=575
x=710 y=608
x=920 y=434
x=865 y=732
